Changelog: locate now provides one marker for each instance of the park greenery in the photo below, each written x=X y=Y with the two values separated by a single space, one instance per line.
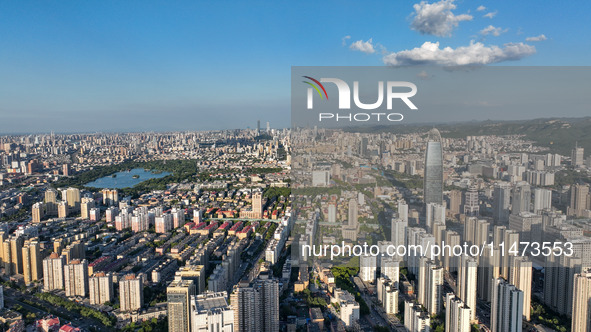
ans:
x=569 y=176
x=274 y=192
x=153 y=325
x=543 y=315
x=74 y=307
x=342 y=276
x=398 y=179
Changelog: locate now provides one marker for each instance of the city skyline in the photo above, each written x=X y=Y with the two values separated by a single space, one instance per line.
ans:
x=164 y=166
x=130 y=67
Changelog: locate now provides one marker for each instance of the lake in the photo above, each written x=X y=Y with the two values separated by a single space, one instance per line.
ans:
x=125 y=179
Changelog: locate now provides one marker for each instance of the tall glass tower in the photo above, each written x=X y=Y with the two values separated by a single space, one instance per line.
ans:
x=433 y=182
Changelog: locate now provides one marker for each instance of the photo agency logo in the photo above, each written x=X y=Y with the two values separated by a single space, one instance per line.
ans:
x=392 y=90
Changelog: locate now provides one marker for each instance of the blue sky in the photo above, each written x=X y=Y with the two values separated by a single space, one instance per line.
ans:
x=149 y=65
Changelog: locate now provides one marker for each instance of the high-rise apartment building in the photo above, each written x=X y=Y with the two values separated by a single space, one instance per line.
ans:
x=367 y=268
x=178 y=297
x=542 y=200
x=73 y=199
x=559 y=273
x=403 y=211
x=471 y=203
x=506 y=307
x=76 y=278
x=352 y=219
x=62 y=209
x=16 y=252
x=521 y=277
x=577 y=156
x=110 y=197
x=455 y=202
x=131 y=293
x=430 y=286
x=434 y=213
x=256 y=306
x=457 y=314
x=501 y=202
x=398 y=232
x=100 y=287
x=521 y=198
x=32 y=262
x=579 y=200
x=86 y=205
x=582 y=302
x=37 y=212
x=53 y=272
x=467 y=283
x=50 y=202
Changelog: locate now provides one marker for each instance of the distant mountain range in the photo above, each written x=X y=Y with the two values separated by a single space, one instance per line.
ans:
x=558 y=134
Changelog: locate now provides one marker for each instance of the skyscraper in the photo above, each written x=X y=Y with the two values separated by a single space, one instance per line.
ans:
x=178 y=296
x=433 y=182
x=581 y=302
x=506 y=307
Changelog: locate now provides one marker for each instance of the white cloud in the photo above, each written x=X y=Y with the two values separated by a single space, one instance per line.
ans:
x=536 y=38
x=475 y=54
x=436 y=18
x=365 y=47
x=491 y=14
x=491 y=30
x=480 y=8
x=344 y=40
